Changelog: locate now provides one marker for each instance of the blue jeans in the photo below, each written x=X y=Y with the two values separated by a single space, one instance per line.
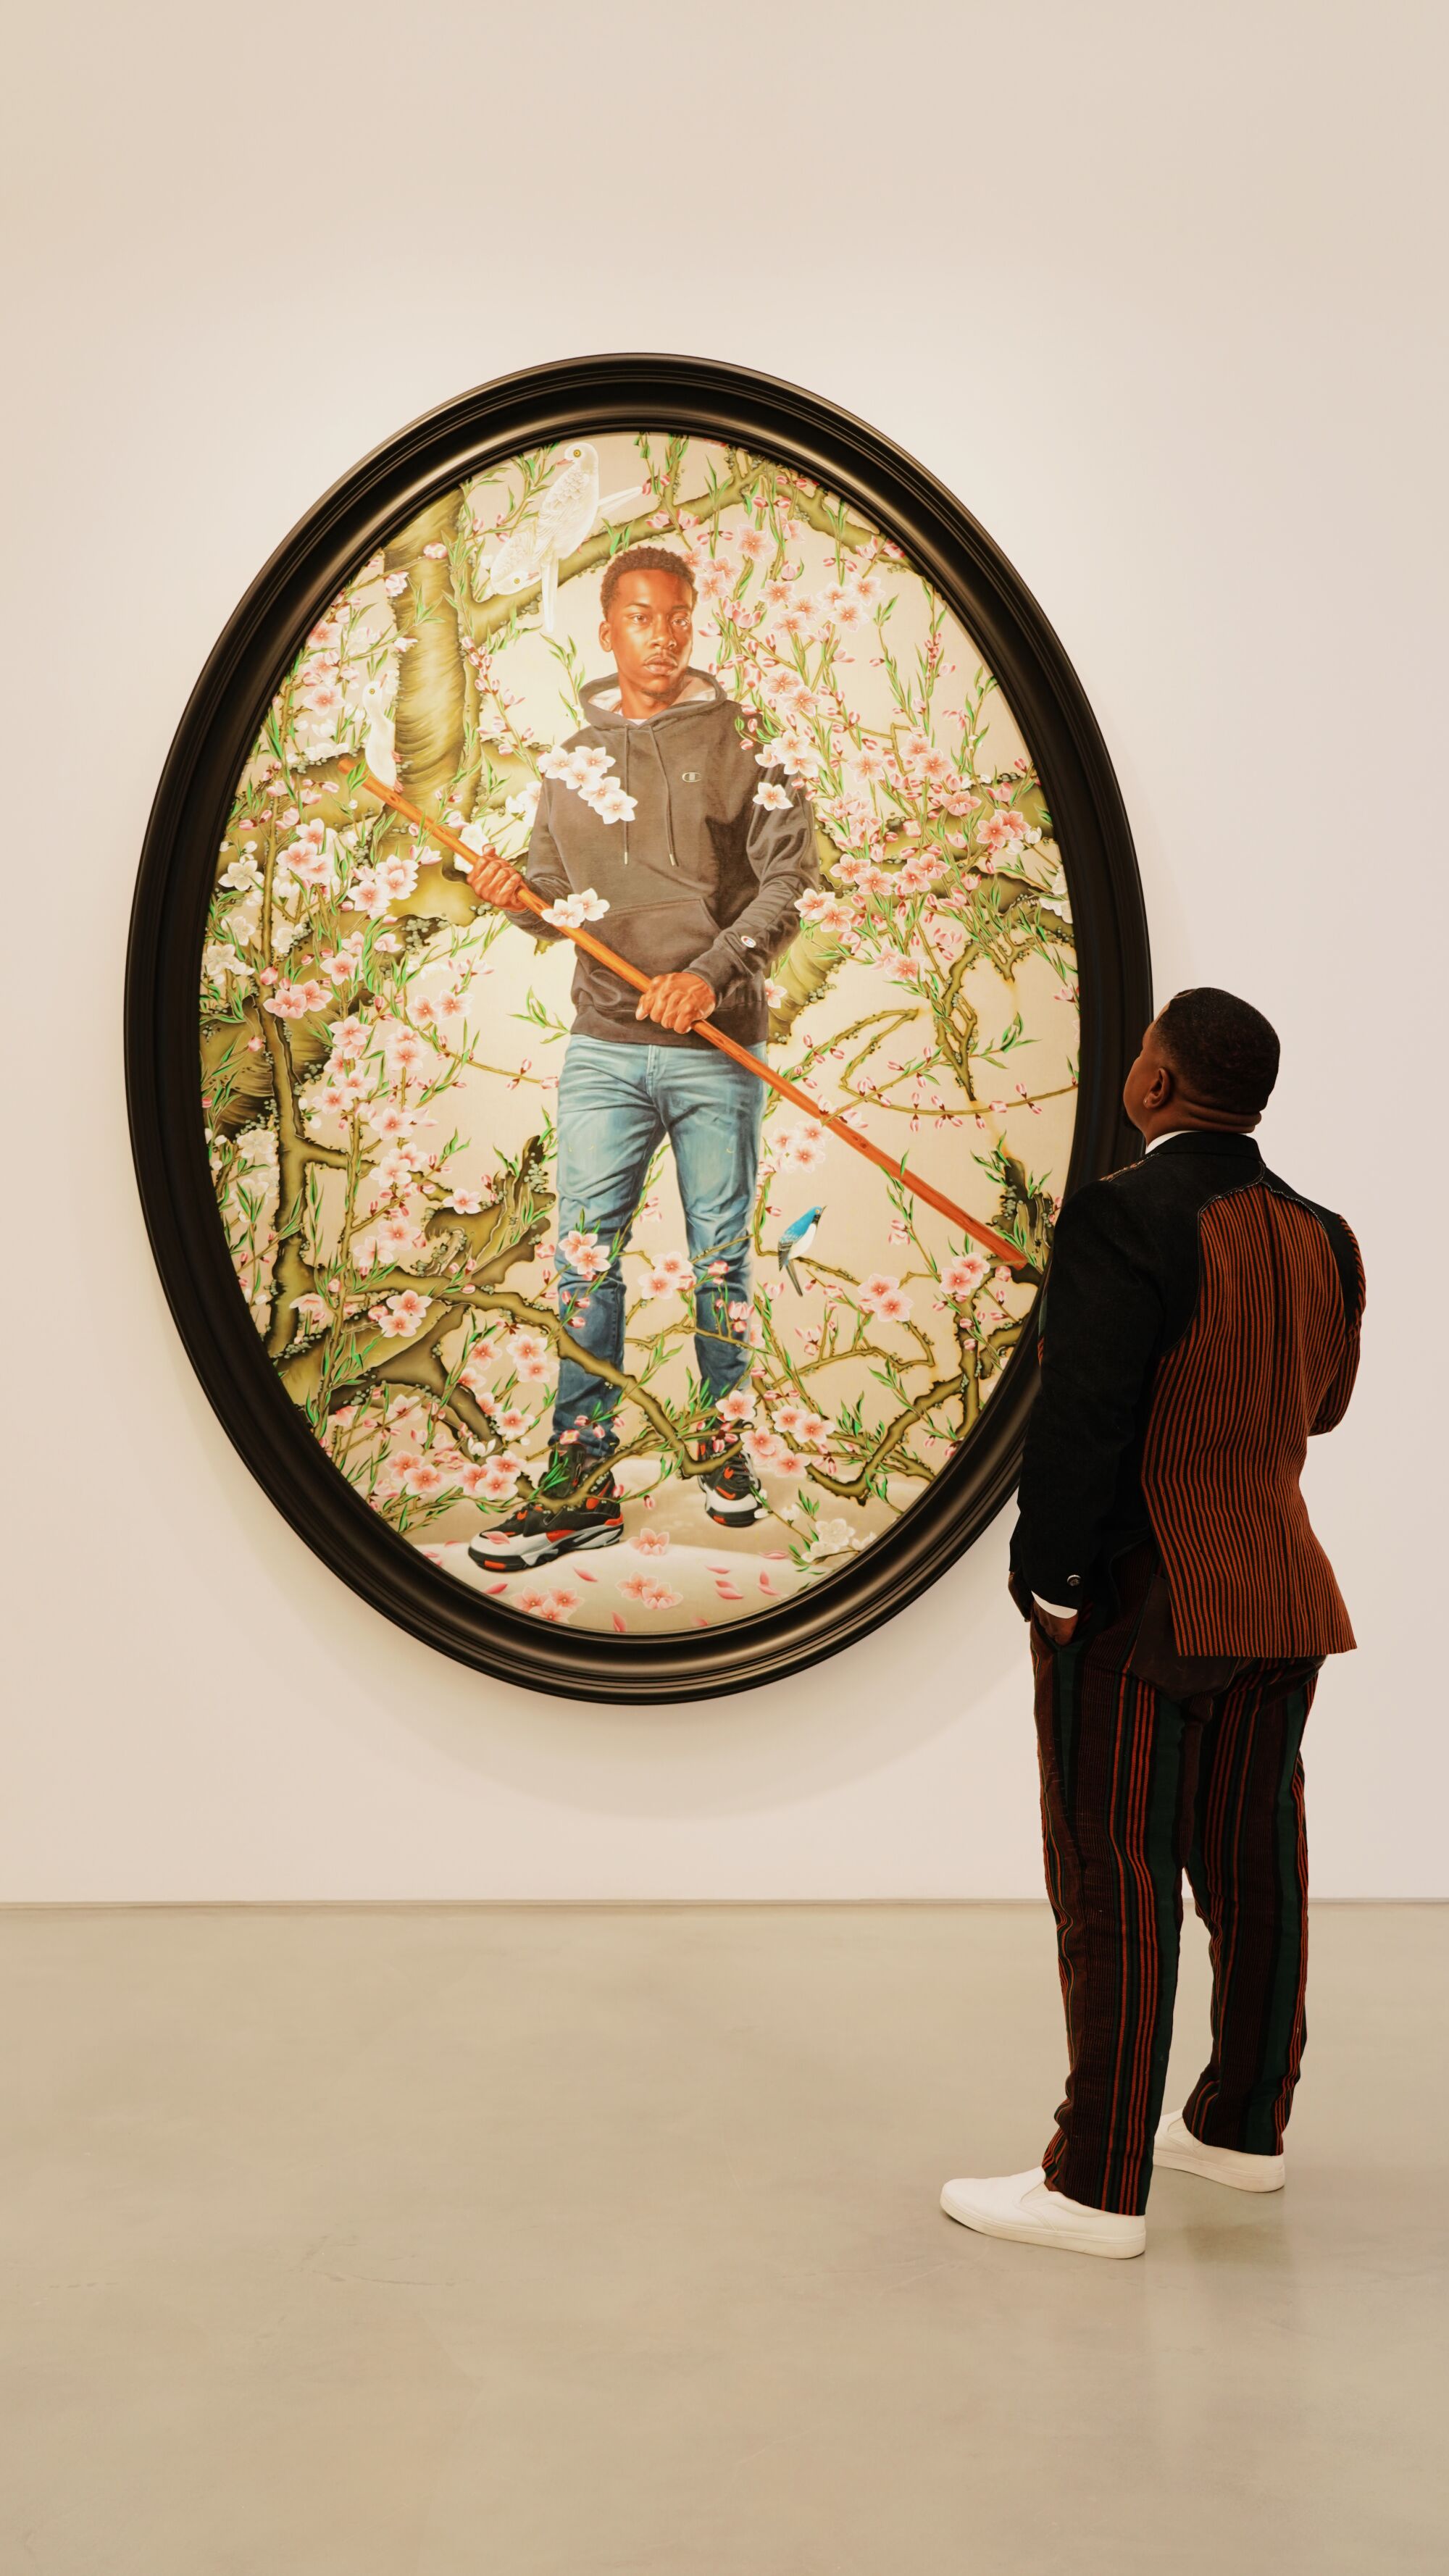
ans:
x=616 y=1103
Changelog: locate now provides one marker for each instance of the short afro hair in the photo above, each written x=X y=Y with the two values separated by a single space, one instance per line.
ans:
x=1225 y=1052
x=643 y=559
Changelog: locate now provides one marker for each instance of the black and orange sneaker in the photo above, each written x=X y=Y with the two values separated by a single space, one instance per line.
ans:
x=731 y=1495
x=558 y=1522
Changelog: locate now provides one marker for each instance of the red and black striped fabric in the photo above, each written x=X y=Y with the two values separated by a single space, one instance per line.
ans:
x=1135 y=1788
x=1267 y=1360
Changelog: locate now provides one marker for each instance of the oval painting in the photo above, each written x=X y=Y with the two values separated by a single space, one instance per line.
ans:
x=614 y=1329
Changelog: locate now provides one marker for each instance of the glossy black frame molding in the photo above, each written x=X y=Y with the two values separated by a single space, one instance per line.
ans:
x=591 y=396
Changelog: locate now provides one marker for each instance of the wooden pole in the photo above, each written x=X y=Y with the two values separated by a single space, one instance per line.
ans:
x=1009 y=1253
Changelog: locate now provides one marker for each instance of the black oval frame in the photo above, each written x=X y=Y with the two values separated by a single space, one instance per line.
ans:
x=221 y=722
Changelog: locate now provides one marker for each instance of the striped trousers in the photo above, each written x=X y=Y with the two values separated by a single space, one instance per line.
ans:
x=1137 y=1787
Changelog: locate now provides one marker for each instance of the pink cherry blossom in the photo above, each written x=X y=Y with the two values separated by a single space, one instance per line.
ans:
x=651 y=1594
x=573 y=910
x=398 y=1236
x=367 y=895
x=309 y=863
x=737 y=1406
x=585 y=1254
x=472 y=1477
x=650 y=1542
x=764 y=1448
x=397 y=876
x=963 y=1276
x=402 y=1314
x=884 y=1296
x=386 y=1119
x=612 y=805
x=1002 y=830
x=294 y=1001
x=424 y=1480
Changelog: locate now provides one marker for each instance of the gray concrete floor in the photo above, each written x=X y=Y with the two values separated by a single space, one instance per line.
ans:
x=597 y=2242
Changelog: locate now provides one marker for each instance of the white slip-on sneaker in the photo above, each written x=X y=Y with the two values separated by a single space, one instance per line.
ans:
x=1019 y=2207
x=1176 y=2146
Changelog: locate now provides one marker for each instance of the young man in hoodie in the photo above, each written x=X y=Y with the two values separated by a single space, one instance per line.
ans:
x=664 y=809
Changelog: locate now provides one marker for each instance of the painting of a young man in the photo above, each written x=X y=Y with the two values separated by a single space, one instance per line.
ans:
x=661 y=811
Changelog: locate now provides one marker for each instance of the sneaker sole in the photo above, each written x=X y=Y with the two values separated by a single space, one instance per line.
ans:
x=1175 y=2159
x=734 y=1515
x=1063 y=2239
x=541 y=1551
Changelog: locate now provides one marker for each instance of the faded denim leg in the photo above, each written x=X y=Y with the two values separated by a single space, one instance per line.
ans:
x=609 y=1125
x=713 y=1112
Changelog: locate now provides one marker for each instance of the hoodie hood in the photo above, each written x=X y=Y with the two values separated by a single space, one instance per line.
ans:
x=599 y=700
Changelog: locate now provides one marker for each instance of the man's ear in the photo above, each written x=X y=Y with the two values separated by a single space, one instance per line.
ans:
x=1162 y=1087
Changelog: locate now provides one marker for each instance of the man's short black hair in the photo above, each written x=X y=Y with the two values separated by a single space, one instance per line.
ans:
x=642 y=559
x=1224 y=1050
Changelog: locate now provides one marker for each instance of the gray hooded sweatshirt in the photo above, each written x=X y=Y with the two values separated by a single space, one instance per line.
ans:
x=700 y=878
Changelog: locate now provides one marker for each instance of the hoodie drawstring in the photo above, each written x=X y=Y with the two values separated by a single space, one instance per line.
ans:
x=629 y=733
x=668 y=807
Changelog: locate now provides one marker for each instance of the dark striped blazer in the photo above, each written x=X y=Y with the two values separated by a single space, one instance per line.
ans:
x=1200 y=1323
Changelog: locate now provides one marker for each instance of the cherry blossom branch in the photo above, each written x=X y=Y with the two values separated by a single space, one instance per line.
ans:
x=539 y=1319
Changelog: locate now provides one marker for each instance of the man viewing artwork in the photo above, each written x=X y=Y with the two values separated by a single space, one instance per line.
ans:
x=1201 y=1323
x=661 y=813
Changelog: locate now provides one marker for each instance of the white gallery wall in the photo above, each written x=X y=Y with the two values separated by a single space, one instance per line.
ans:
x=1158 y=290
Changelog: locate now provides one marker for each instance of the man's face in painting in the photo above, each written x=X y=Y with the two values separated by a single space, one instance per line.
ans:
x=650 y=633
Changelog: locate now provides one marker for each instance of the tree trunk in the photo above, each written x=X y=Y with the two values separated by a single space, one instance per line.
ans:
x=429 y=728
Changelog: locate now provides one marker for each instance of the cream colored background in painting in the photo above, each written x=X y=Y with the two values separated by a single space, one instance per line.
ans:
x=1154 y=291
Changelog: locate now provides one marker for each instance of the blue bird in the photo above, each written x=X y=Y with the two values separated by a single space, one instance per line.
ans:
x=797 y=1238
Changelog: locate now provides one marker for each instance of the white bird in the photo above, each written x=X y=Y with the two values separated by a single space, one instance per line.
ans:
x=559 y=521
x=379 y=743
